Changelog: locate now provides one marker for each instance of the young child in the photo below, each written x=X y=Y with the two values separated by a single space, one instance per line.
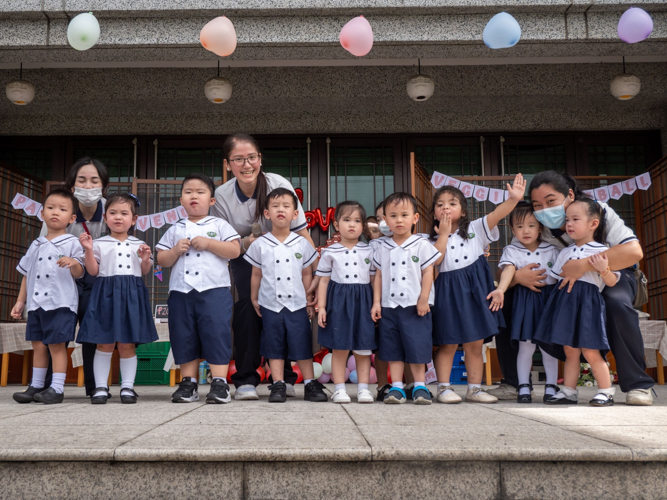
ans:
x=527 y=306
x=49 y=269
x=280 y=277
x=576 y=319
x=462 y=314
x=373 y=228
x=403 y=294
x=200 y=302
x=345 y=300
x=119 y=310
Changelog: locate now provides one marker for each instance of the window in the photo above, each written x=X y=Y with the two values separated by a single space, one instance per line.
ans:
x=457 y=161
x=119 y=161
x=177 y=163
x=291 y=163
x=529 y=159
x=36 y=162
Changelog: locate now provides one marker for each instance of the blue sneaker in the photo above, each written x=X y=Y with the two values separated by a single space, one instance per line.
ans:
x=421 y=395
x=395 y=396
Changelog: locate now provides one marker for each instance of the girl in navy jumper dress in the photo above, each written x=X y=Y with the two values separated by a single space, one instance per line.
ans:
x=527 y=306
x=463 y=313
x=345 y=301
x=119 y=309
x=576 y=319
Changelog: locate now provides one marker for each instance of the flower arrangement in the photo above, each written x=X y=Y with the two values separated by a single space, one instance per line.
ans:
x=586 y=378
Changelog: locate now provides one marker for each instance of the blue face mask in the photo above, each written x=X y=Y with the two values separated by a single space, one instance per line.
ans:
x=553 y=217
x=384 y=228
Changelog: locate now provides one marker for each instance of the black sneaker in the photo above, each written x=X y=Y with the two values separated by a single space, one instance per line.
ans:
x=382 y=392
x=421 y=395
x=128 y=396
x=314 y=391
x=186 y=392
x=100 y=399
x=278 y=392
x=49 y=397
x=27 y=396
x=219 y=392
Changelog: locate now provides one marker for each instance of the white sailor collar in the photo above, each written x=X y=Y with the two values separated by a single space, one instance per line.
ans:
x=206 y=220
x=406 y=244
x=339 y=247
x=289 y=241
x=57 y=241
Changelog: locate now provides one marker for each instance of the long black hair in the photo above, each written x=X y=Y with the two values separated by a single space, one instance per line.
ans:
x=70 y=180
x=560 y=181
x=464 y=221
x=594 y=211
x=262 y=186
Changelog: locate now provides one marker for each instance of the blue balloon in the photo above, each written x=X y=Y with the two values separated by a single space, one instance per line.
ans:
x=501 y=32
x=353 y=377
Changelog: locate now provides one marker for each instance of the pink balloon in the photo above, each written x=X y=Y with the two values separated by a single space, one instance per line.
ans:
x=324 y=378
x=351 y=363
x=347 y=374
x=373 y=379
x=635 y=25
x=372 y=359
x=219 y=36
x=357 y=37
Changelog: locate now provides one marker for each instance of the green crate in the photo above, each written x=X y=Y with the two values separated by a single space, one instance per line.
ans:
x=150 y=370
x=161 y=348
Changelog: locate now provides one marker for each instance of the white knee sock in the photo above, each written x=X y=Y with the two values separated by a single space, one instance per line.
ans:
x=551 y=369
x=58 y=382
x=128 y=371
x=524 y=363
x=101 y=368
x=38 y=377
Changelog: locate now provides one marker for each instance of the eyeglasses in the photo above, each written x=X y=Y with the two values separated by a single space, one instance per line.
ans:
x=239 y=162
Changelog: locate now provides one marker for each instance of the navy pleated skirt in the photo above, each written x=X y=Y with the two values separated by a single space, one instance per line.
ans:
x=118 y=311
x=349 y=322
x=461 y=312
x=527 y=310
x=575 y=319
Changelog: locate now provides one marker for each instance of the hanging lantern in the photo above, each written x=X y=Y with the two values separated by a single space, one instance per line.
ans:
x=19 y=91
x=625 y=86
x=217 y=89
x=420 y=87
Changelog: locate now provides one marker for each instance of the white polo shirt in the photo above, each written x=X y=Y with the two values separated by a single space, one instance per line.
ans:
x=282 y=265
x=402 y=268
x=48 y=285
x=198 y=270
x=118 y=258
x=461 y=252
x=583 y=252
x=517 y=255
x=239 y=210
x=347 y=266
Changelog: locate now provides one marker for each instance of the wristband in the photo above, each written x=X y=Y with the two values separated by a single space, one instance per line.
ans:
x=605 y=273
x=243 y=248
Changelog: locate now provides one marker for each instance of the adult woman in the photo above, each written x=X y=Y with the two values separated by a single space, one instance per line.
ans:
x=241 y=202
x=550 y=193
x=88 y=180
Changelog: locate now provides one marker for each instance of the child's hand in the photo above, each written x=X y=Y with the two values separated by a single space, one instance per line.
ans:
x=86 y=241
x=376 y=311
x=311 y=312
x=422 y=306
x=67 y=262
x=17 y=310
x=182 y=246
x=599 y=261
x=255 y=304
x=145 y=252
x=518 y=189
x=445 y=225
x=322 y=317
x=200 y=242
x=497 y=298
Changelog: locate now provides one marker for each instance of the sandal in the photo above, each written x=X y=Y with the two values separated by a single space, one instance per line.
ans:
x=524 y=398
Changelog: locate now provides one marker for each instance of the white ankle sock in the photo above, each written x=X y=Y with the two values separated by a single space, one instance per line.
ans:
x=524 y=363
x=420 y=384
x=128 y=371
x=193 y=380
x=361 y=386
x=38 y=377
x=339 y=387
x=398 y=385
x=609 y=392
x=307 y=381
x=101 y=368
x=58 y=382
x=567 y=392
x=473 y=386
x=220 y=378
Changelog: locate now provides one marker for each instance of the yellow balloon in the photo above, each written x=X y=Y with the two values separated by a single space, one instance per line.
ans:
x=219 y=36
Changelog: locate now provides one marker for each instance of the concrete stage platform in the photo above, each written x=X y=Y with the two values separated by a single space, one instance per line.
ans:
x=256 y=450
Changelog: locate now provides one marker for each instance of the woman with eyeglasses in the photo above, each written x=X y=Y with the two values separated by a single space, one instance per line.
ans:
x=241 y=202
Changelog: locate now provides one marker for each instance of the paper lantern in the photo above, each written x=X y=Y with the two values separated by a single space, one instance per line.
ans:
x=420 y=87
x=219 y=36
x=218 y=90
x=20 y=92
x=501 y=32
x=324 y=378
x=83 y=31
x=351 y=363
x=326 y=363
x=624 y=87
x=317 y=370
x=357 y=37
x=353 y=377
x=635 y=25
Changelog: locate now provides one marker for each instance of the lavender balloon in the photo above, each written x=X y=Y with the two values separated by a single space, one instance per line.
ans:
x=635 y=25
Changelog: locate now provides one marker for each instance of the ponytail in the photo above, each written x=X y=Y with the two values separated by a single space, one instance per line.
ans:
x=594 y=211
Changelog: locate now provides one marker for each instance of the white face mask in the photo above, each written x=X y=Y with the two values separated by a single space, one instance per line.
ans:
x=88 y=197
x=384 y=228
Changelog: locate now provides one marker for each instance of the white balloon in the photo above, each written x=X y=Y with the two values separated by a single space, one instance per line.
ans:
x=326 y=363
x=83 y=31
x=317 y=370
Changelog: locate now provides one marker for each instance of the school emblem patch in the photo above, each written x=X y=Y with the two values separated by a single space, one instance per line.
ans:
x=550 y=264
x=211 y=234
x=367 y=260
x=60 y=257
x=298 y=255
x=415 y=258
x=471 y=235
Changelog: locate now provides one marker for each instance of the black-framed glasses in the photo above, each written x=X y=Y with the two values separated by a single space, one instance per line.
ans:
x=252 y=160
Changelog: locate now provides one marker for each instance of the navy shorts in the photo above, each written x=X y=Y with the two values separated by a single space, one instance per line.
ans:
x=405 y=335
x=286 y=334
x=51 y=327
x=200 y=325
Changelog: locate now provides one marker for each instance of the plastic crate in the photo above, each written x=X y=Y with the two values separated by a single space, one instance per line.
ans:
x=458 y=360
x=458 y=376
x=159 y=348
x=150 y=370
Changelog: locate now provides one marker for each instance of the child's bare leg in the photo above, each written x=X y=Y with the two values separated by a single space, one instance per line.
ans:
x=277 y=370
x=40 y=357
x=306 y=366
x=418 y=372
x=381 y=368
x=444 y=359
x=59 y=364
x=190 y=369
x=219 y=371
x=572 y=367
x=474 y=361
x=396 y=370
x=363 y=368
x=599 y=367
x=338 y=365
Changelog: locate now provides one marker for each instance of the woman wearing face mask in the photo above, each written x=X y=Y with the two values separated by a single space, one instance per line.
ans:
x=88 y=180
x=551 y=193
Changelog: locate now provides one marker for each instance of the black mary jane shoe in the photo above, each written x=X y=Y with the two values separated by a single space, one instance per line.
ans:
x=524 y=398
x=602 y=400
x=549 y=396
x=102 y=399
x=128 y=396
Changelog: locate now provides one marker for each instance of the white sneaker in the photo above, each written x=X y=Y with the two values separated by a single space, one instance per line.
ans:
x=246 y=392
x=479 y=395
x=639 y=397
x=291 y=391
x=448 y=396
x=340 y=396
x=365 y=396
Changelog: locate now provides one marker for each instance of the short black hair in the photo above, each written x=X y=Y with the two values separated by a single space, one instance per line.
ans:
x=64 y=193
x=277 y=193
x=594 y=211
x=522 y=210
x=400 y=197
x=128 y=198
x=200 y=177
x=70 y=179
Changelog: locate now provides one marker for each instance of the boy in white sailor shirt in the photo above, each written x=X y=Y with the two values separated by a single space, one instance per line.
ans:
x=403 y=294
x=280 y=277
x=49 y=269
x=200 y=302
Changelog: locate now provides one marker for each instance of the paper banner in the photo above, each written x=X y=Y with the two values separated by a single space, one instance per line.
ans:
x=602 y=194
x=39 y=215
x=590 y=193
x=643 y=181
x=453 y=182
x=481 y=193
x=438 y=180
x=171 y=216
x=467 y=189
x=143 y=223
x=629 y=186
x=616 y=191
x=157 y=220
x=182 y=212
x=32 y=207
x=496 y=196
x=507 y=195
x=20 y=201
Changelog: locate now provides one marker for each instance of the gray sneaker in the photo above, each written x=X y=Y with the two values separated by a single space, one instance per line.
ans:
x=505 y=392
x=291 y=391
x=246 y=392
x=639 y=397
